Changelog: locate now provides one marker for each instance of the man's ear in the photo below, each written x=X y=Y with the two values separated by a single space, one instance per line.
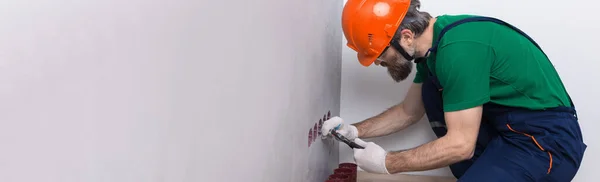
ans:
x=406 y=37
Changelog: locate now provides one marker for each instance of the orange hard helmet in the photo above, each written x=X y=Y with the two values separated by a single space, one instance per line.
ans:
x=369 y=25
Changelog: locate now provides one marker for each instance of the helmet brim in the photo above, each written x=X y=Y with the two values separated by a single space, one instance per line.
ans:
x=366 y=60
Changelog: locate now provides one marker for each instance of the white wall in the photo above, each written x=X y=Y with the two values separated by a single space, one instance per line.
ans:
x=566 y=31
x=167 y=90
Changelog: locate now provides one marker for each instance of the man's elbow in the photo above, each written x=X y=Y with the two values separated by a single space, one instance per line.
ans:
x=468 y=152
x=463 y=150
x=413 y=113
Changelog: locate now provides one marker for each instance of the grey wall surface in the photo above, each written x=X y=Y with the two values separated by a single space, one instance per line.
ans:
x=167 y=90
x=566 y=32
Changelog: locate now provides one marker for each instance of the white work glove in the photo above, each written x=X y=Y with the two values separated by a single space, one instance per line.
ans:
x=337 y=123
x=371 y=158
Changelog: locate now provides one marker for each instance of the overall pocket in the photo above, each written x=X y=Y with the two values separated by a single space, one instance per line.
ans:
x=536 y=131
x=538 y=144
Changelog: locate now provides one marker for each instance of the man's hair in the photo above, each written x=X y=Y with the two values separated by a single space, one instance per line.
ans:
x=414 y=20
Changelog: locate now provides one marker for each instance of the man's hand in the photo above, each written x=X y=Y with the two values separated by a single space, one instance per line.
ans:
x=371 y=158
x=337 y=123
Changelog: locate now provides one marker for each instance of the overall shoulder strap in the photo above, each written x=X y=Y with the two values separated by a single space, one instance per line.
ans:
x=480 y=19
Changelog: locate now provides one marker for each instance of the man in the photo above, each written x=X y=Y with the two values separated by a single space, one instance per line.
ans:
x=493 y=98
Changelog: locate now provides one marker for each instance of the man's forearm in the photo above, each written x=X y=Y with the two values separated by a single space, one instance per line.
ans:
x=436 y=154
x=392 y=120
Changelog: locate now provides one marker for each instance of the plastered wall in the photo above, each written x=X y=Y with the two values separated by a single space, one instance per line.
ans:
x=167 y=90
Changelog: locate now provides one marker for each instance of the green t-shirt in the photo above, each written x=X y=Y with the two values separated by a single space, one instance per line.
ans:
x=480 y=62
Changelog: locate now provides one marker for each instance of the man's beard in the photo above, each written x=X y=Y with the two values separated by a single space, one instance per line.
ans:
x=399 y=69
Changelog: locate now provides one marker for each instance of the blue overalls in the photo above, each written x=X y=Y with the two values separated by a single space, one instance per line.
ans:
x=514 y=144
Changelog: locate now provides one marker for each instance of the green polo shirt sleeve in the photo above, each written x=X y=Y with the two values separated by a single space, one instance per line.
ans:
x=463 y=69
